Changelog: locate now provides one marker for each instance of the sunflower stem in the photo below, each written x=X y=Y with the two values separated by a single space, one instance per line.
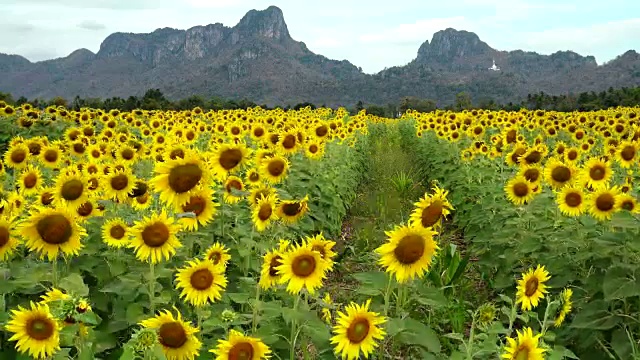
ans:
x=256 y=309
x=152 y=288
x=55 y=272
x=469 y=345
x=512 y=316
x=387 y=294
x=544 y=326
x=292 y=341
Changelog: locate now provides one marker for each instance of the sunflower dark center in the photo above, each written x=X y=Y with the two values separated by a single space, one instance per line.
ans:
x=292 y=209
x=176 y=153
x=40 y=328
x=241 y=351
x=597 y=172
x=30 y=180
x=289 y=142
x=172 y=335
x=215 y=257
x=50 y=155
x=605 y=202
x=18 y=156
x=4 y=236
x=155 y=235
x=320 y=249
x=34 y=148
x=431 y=214
x=127 y=154
x=313 y=148
x=258 y=132
x=46 y=198
x=409 y=249
x=265 y=212
x=628 y=153
x=534 y=157
x=358 y=330
x=303 y=265
x=93 y=184
x=520 y=189
x=517 y=154
x=72 y=190
x=85 y=209
x=119 y=182
x=139 y=189
x=54 y=229
x=196 y=205
x=235 y=130
x=117 y=232
x=531 y=287
x=201 y=279
x=230 y=158
x=532 y=175
x=79 y=148
x=572 y=155
x=276 y=167
x=254 y=176
x=183 y=178
x=626 y=205
x=273 y=264
x=233 y=184
x=321 y=131
x=573 y=199
x=561 y=174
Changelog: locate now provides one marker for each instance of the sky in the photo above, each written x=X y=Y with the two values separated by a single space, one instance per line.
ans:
x=371 y=34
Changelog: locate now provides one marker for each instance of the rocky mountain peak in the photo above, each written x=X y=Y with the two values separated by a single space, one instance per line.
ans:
x=450 y=44
x=268 y=23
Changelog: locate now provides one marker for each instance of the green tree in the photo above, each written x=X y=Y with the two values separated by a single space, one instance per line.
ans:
x=463 y=101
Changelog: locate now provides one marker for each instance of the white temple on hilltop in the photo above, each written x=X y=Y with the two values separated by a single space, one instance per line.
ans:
x=494 y=67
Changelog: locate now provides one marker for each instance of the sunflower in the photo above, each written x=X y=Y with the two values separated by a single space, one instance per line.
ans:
x=89 y=209
x=52 y=231
x=17 y=156
x=201 y=282
x=290 y=211
x=239 y=347
x=264 y=212
x=218 y=254
x=8 y=240
x=269 y=275
x=233 y=190
x=274 y=169
x=565 y=307
x=259 y=192
x=301 y=267
x=115 y=233
x=324 y=247
x=571 y=201
x=154 y=238
x=628 y=203
x=357 y=330
x=176 y=336
x=597 y=173
x=408 y=252
x=533 y=173
x=557 y=174
x=525 y=347
x=45 y=196
x=141 y=202
x=202 y=206
x=627 y=154
x=175 y=179
x=431 y=209
x=229 y=158
x=30 y=180
x=71 y=190
x=118 y=184
x=36 y=331
x=519 y=190
x=314 y=150
x=603 y=203
x=289 y=142
x=253 y=177
x=531 y=288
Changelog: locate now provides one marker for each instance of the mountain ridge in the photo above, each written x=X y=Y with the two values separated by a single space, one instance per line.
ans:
x=258 y=59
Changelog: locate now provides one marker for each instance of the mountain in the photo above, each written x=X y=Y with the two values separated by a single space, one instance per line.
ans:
x=259 y=60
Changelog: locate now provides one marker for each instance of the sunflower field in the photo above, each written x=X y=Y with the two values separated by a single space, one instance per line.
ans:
x=315 y=234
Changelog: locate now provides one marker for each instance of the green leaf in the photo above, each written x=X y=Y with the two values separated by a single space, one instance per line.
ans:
x=619 y=283
x=417 y=333
x=74 y=284
x=372 y=283
x=134 y=313
x=128 y=353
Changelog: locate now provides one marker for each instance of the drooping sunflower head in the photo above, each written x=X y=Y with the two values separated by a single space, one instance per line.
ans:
x=408 y=252
x=357 y=330
x=290 y=211
x=565 y=307
x=532 y=288
x=218 y=254
x=176 y=336
x=264 y=212
x=51 y=231
x=233 y=190
x=36 y=331
x=301 y=267
x=324 y=247
x=154 y=238
x=239 y=346
x=431 y=209
x=201 y=282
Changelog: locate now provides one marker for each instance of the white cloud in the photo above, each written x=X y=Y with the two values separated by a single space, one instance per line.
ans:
x=606 y=40
x=91 y=25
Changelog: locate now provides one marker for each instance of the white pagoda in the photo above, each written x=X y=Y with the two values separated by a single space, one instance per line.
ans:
x=494 y=67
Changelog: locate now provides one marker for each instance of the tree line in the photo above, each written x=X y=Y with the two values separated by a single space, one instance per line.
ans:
x=154 y=99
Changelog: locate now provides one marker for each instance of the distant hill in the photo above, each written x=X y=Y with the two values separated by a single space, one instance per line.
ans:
x=257 y=59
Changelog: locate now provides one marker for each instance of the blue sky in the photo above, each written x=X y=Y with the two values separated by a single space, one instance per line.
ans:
x=371 y=34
